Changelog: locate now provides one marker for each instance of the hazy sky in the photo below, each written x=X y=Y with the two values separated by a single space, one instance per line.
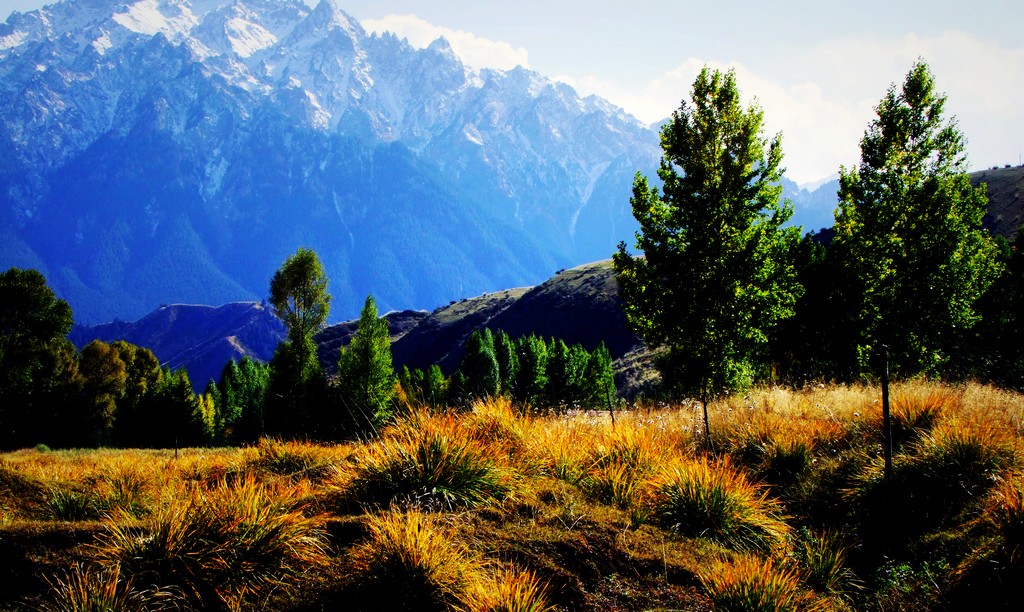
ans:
x=817 y=68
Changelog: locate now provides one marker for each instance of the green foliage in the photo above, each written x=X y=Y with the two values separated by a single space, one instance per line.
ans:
x=104 y=376
x=366 y=376
x=532 y=379
x=909 y=227
x=297 y=386
x=242 y=393
x=566 y=373
x=480 y=367
x=717 y=271
x=35 y=371
x=298 y=293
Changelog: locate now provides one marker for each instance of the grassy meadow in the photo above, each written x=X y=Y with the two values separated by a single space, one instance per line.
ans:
x=500 y=509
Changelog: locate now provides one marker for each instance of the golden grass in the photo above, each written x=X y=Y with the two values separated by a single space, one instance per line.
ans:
x=410 y=560
x=700 y=498
x=753 y=584
x=518 y=486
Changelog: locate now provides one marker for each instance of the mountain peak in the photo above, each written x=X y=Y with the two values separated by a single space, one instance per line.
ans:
x=328 y=14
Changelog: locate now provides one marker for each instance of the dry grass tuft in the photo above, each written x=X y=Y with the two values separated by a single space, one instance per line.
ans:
x=221 y=546
x=751 y=584
x=507 y=590
x=430 y=462
x=410 y=561
x=715 y=501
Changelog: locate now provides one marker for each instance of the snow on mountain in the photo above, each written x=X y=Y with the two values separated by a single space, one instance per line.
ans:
x=219 y=122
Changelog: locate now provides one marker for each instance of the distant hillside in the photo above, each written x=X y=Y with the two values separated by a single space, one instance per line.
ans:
x=580 y=305
x=1005 y=199
x=200 y=339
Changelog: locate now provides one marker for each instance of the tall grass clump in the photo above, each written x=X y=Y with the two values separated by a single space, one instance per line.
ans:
x=219 y=547
x=94 y=589
x=409 y=561
x=750 y=584
x=432 y=465
x=508 y=590
x=495 y=422
x=296 y=460
x=824 y=558
x=63 y=504
x=916 y=411
x=714 y=501
x=938 y=484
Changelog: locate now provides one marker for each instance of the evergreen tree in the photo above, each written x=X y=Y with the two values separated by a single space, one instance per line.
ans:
x=532 y=380
x=716 y=273
x=910 y=226
x=600 y=378
x=105 y=377
x=566 y=373
x=508 y=361
x=480 y=366
x=366 y=375
x=436 y=386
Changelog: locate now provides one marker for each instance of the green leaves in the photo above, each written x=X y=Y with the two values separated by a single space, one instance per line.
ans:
x=365 y=372
x=909 y=225
x=298 y=293
x=717 y=272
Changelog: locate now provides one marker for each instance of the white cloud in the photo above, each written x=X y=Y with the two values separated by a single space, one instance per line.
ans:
x=472 y=50
x=823 y=111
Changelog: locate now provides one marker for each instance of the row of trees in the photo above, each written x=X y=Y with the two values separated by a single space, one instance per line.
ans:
x=528 y=369
x=729 y=294
x=105 y=394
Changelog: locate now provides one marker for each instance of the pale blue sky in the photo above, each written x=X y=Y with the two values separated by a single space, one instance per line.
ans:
x=816 y=67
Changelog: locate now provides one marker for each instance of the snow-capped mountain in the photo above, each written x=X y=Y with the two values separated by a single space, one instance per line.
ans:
x=178 y=150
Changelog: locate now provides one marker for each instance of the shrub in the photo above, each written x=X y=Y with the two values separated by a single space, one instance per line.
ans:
x=750 y=584
x=508 y=590
x=824 y=558
x=700 y=499
x=219 y=546
x=70 y=505
x=434 y=466
x=87 y=589
x=409 y=562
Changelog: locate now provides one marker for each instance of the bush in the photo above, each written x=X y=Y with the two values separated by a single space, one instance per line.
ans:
x=409 y=562
x=749 y=584
x=219 y=546
x=434 y=465
x=699 y=499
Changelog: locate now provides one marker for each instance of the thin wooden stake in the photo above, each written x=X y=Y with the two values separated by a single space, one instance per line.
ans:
x=886 y=418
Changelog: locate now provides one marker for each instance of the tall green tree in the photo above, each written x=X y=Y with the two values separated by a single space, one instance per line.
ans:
x=910 y=223
x=480 y=366
x=33 y=326
x=299 y=297
x=716 y=272
x=366 y=374
x=532 y=379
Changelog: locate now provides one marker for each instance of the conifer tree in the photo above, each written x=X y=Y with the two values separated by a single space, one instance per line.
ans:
x=366 y=375
x=480 y=366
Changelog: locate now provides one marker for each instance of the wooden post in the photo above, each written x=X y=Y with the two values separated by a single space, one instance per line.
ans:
x=886 y=418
